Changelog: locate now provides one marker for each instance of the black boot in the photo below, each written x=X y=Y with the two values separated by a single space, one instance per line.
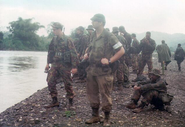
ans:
x=106 y=122
x=139 y=108
x=95 y=116
x=54 y=103
x=132 y=104
x=70 y=105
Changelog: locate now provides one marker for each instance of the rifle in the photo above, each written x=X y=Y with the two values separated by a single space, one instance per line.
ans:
x=81 y=69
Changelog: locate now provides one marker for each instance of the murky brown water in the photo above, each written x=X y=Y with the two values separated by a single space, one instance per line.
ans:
x=21 y=75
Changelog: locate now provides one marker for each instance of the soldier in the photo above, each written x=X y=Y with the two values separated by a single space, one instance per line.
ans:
x=122 y=73
x=134 y=52
x=99 y=74
x=164 y=54
x=90 y=30
x=154 y=91
x=63 y=57
x=81 y=42
x=179 y=56
x=147 y=46
x=128 y=38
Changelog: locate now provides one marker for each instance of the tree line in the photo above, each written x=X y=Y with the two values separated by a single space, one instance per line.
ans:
x=21 y=35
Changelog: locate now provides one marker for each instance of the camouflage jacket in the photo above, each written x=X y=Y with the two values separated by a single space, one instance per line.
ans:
x=135 y=47
x=81 y=44
x=160 y=86
x=62 y=51
x=147 y=46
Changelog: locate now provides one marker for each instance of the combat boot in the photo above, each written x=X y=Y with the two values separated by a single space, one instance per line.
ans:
x=120 y=87
x=106 y=122
x=168 y=109
x=95 y=116
x=132 y=104
x=139 y=108
x=70 y=105
x=54 y=103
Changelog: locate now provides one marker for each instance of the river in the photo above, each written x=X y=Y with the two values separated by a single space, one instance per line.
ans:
x=21 y=75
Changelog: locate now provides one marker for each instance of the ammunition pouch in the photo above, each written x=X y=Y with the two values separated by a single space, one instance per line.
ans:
x=64 y=57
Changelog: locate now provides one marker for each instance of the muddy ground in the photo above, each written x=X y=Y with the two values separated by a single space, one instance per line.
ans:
x=31 y=111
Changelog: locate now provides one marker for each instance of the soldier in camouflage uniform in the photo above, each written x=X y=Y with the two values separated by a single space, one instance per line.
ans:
x=99 y=74
x=147 y=46
x=80 y=42
x=134 y=51
x=128 y=38
x=122 y=73
x=154 y=91
x=63 y=57
x=90 y=30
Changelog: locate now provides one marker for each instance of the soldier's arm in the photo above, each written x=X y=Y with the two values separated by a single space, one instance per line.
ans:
x=160 y=84
x=118 y=47
x=151 y=46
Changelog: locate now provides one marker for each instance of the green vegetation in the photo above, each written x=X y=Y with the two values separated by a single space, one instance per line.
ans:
x=22 y=36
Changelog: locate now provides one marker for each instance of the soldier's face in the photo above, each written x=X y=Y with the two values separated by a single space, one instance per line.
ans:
x=56 y=31
x=148 y=36
x=78 y=32
x=96 y=24
x=153 y=77
x=90 y=31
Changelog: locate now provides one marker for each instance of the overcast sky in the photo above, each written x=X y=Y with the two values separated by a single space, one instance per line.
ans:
x=136 y=16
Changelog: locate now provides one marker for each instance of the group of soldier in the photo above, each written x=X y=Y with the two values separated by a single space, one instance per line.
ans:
x=107 y=57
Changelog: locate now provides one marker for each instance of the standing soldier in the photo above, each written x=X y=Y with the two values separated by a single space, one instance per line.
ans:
x=122 y=73
x=179 y=56
x=63 y=57
x=134 y=51
x=128 y=38
x=80 y=42
x=164 y=54
x=147 y=46
x=90 y=30
x=99 y=73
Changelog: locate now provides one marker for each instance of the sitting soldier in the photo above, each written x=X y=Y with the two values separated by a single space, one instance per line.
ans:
x=154 y=91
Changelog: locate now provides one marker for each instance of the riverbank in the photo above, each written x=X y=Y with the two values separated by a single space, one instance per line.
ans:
x=31 y=111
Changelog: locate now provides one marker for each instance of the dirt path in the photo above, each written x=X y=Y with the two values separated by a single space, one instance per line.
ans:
x=30 y=112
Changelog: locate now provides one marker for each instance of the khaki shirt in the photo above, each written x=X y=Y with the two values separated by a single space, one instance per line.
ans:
x=102 y=47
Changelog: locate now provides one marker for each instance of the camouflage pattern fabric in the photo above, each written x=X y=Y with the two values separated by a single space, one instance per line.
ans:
x=146 y=59
x=61 y=66
x=134 y=62
x=152 y=91
x=55 y=73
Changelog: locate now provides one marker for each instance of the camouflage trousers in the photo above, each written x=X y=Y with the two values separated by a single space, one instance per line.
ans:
x=100 y=86
x=128 y=60
x=149 y=97
x=135 y=62
x=145 y=59
x=122 y=73
x=55 y=73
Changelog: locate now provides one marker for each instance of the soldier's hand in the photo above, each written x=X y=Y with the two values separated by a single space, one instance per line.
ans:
x=47 y=67
x=105 y=61
x=86 y=56
x=74 y=70
x=137 y=87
